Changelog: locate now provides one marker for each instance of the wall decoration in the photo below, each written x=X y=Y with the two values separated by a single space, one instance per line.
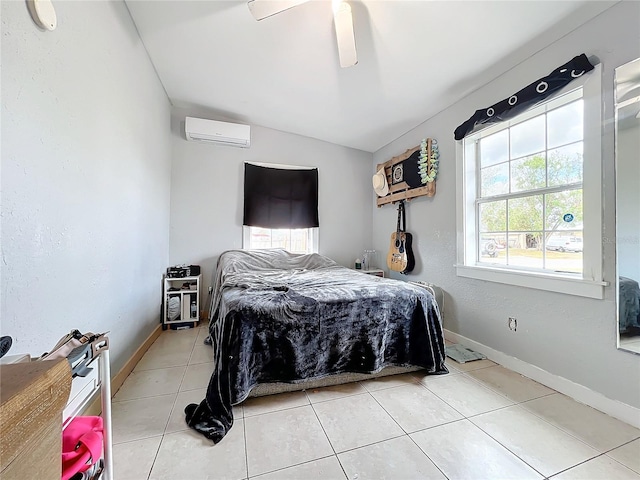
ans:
x=412 y=173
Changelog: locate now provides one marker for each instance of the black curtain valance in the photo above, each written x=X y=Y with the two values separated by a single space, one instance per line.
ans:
x=527 y=97
x=279 y=197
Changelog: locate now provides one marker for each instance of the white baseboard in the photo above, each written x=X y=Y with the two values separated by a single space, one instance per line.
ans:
x=580 y=393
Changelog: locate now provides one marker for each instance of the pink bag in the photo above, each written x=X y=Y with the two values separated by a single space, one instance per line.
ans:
x=81 y=445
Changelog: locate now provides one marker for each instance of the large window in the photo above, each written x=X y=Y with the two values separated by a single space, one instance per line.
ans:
x=530 y=188
x=529 y=203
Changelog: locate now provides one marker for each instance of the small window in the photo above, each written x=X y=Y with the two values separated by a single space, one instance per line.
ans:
x=280 y=208
x=298 y=240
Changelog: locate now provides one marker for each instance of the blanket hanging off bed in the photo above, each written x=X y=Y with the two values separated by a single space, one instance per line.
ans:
x=277 y=316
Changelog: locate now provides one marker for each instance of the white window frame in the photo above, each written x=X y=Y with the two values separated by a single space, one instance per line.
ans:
x=590 y=283
x=313 y=237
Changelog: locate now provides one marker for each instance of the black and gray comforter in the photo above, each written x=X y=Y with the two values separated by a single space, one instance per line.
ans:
x=277 y=316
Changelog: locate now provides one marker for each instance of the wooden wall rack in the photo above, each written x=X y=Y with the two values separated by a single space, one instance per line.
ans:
x=402 y=191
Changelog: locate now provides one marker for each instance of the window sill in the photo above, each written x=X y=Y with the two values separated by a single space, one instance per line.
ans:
x=538 y=281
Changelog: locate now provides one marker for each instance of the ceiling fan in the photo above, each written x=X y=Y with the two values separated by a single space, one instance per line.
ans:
x=342 y=18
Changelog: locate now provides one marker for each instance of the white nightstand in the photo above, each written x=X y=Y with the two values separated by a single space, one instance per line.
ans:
x=187 y=291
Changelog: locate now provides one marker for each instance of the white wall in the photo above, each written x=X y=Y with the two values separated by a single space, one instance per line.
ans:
x=628 y=202
x=86 y=157
x=569 y=336
x=207 y=193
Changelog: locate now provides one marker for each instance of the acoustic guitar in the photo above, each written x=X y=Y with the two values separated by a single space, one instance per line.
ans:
x=400 y=257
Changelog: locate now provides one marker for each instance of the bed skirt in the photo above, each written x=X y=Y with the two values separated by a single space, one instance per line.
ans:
x=264 y=389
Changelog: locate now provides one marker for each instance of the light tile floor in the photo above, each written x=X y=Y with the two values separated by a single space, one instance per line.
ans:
x=481 y=421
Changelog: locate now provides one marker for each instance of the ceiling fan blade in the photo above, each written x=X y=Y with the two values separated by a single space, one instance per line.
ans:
x=261 y=9
x=345 y=37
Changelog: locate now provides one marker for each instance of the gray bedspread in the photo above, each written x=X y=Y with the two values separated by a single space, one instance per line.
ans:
x=277 y=316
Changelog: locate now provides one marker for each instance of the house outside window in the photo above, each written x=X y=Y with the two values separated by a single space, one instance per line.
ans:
x=530 y=196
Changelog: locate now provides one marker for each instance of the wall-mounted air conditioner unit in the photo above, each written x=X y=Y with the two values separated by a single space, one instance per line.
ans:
x=220 y=133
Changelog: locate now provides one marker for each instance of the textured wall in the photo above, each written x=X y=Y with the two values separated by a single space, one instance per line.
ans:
x=569 y=336
x=207 y=189
x=86 y=162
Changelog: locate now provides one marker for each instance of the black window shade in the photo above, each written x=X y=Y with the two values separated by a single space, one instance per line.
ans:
x=527 y=97
x=280 y=198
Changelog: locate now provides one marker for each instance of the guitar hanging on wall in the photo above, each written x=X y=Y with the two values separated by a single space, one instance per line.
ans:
x=400 y=257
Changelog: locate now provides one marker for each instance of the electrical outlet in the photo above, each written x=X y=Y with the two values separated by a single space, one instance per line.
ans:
x=512 y=323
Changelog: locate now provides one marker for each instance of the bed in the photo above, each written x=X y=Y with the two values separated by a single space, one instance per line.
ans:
x=282 y=317
x=629 y=315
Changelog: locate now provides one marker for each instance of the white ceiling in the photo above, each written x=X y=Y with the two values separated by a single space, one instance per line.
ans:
x=415 y=58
